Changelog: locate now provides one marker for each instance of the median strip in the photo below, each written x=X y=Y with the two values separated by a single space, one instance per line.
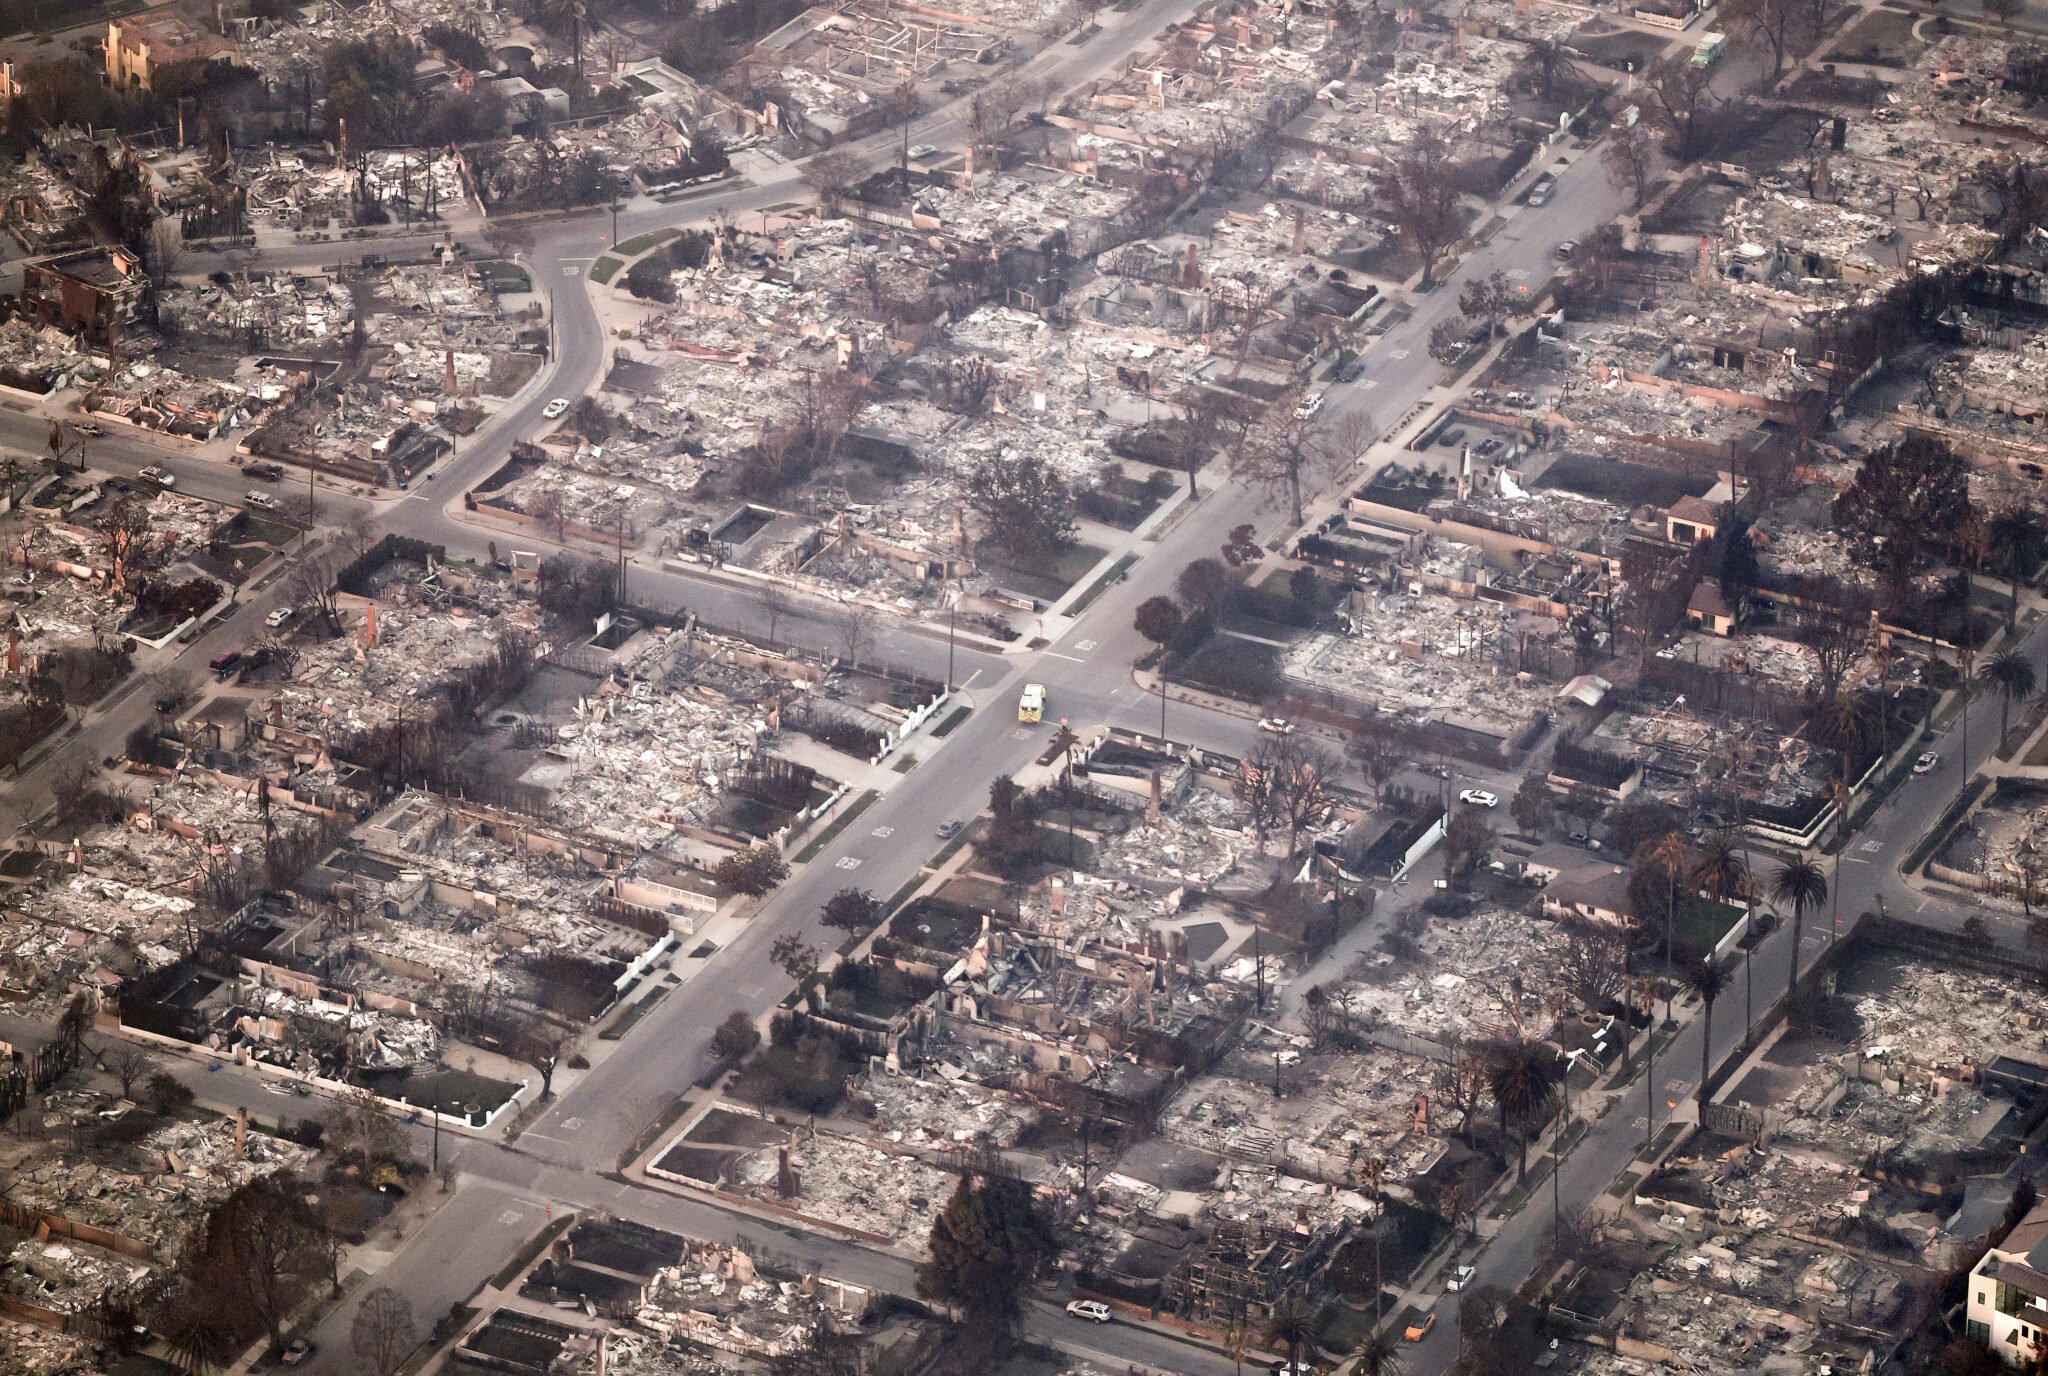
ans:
x=838 y=824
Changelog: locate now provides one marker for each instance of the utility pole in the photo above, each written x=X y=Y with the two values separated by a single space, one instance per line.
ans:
x=1162 y=705
x=1259 y=965
x=1650 y=1076
x=952 y=611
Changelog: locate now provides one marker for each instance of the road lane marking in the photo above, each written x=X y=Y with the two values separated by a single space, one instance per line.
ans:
x=882 y=833
x=1086 y=647
x=968 y=682
x=846 y=862
x=1069 y=658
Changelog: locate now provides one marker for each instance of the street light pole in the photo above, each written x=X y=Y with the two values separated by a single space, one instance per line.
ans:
x=952 y=611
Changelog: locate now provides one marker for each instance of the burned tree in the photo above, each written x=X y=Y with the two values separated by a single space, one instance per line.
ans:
x=1423 y=184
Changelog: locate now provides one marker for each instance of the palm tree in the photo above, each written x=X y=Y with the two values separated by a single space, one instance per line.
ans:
x=1709 y=981
x=2009 y=675
x=1847 y=721
x=1293 y=1325
x=1378 y=1355
x=1719 y=868
x=1522 y=1078
x=1799 y=882
x=1671 y=853
x=1374 y=1169
x=2018 y=541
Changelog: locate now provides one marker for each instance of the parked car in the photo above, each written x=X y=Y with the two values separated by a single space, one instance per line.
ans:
x=161 y=477
x=1479 y=797
x=555 y=407
x=920 y=151
x=1419 y=1330
x=295 y=1352
x=264 y=472
x=1539 y=191
x=278 y=616
x=262 y=499
x=1460 y=1278
x=1927 y=763
x=87 y=427
x=225 y=664
x=1279 y=726
x=1566 y=249
x=1352 y=371
x=949 y=828
x=1095 y=1311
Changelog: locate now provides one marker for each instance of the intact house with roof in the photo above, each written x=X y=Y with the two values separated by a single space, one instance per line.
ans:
x=93 y=291
x=2009 y=1292
x=1576 y=884
x=143 y=45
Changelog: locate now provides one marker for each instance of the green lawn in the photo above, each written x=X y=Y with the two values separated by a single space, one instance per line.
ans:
x=640 y=243
x=839 y=824
x=602 y=270
x=1101 y=585
x=1049 y=583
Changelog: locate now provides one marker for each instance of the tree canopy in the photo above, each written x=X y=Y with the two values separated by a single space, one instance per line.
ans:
x=990 y=1242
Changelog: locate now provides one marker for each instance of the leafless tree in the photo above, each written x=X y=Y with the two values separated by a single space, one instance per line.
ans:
x=311 y=586
x=834 y=174
x=1303 y=450
x=357 y=1126
x=1774 y=24
x=121 y=526
x=1681 y=94
x=1378 y=756
x=993 y=109
x=857 y=624
x=776 y=603
x=1590 y=963
x=382 y=1335
x=1421 y=188
x=127 y=1063
x=1630 y=157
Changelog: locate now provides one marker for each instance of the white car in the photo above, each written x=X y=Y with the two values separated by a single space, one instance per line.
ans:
x=1095 y=1311
x=278 y=616
x=1279 y=726
x=555 y=407
x=1927 y=763
x=1479 y=797
x=1460 y=1278
x=262 y=499
x=920 y=151
x=161 y=477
